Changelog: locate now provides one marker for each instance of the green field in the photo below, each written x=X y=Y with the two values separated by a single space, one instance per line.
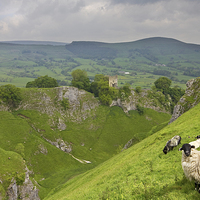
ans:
x=145 y=60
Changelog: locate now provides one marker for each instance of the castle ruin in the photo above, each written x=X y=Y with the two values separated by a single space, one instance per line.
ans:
x=113 y=81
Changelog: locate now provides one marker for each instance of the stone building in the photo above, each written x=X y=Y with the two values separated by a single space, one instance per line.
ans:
x=113 y=81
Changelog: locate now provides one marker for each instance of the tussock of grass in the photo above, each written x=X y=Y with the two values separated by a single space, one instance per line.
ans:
x=141 y=172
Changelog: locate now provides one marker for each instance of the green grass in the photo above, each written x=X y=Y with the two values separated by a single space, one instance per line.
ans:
x=97 y=138
x=11 y=165
x=141 y=172
x=14 y=131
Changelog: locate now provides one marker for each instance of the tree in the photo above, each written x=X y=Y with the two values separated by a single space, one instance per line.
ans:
x=125 y=92
x=80 y=79
x=163 y=84
x=43 y=82
x=138 y=89
x=10 y=94
x=100 y=83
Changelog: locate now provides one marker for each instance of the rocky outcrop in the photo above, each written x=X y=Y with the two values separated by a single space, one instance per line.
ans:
x=3 y=107
x=64 y=146
x=49 y=101
x=27 y=191
x=128 y=144
x=146 y=99
x=189 y=99
x=80 y=102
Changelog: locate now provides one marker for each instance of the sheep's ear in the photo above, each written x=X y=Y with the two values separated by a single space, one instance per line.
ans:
x=180 y=149
x=193 y=146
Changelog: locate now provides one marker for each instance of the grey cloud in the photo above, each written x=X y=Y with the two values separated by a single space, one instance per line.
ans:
x=138 y=2
x=102 y=20
x=143 y=2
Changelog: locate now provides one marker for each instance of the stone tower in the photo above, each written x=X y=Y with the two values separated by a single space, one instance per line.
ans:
x=113 y=81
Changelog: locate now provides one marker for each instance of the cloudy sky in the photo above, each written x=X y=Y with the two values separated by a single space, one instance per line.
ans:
x=99 y=20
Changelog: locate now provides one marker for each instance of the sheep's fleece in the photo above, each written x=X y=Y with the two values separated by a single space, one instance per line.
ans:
x=191 y=163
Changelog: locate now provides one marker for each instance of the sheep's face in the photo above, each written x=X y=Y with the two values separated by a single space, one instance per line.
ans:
x=187 y=149
x=198 y=137
x=165 y=150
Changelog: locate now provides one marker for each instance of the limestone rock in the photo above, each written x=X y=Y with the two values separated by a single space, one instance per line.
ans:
x=27 y=191
x=64 y=146
x=80 y=102
x=12 y=191
x=145 y=99
x=189 y=99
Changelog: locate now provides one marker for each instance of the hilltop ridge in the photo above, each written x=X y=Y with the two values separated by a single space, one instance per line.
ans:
x=154 y=45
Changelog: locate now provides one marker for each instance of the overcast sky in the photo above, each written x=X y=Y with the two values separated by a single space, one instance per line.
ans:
x=99 y=20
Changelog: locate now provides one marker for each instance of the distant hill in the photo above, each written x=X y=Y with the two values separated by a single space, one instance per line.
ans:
x=24 y=42
x=147 y=47
x=145 y=60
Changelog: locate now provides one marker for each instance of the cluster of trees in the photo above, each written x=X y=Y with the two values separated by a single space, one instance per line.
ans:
x=42 y=82
x=10 y=95
x=100 y=86
x=163 y=84
x=192 y=72
x=161 y=72
x=80 y=79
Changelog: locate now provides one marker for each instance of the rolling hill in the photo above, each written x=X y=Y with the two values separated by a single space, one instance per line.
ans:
x=56 y=144
x=29 y=42
x=145 y=61
x=141 y=172
x=150 y=47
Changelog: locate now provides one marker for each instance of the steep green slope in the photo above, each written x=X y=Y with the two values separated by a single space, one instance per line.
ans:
x=42 y=158
x=12 y=166
x=94 y=134
x=141 y=172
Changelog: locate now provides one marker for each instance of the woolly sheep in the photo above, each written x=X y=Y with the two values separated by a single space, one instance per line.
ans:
x=190 y=164
x=175 y=141
x=196 y=143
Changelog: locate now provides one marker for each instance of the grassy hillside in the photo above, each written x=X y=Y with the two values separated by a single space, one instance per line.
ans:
x=145 y=60
x=42 y=158
x=11 y=165
x=95 y=135
x=141 y=172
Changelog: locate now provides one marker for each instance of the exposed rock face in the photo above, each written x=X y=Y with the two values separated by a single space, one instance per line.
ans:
x=189 y=99
x=3 y=107
x=61 y=145
x=27 y=191
x=49 y=101
x=79 y=103
x=145 y=99
x=12 y=192
x=128 y=144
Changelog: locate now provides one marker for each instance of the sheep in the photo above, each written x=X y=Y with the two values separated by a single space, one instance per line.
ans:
x=191 y=164
x=175 y=141
x=196 y=143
